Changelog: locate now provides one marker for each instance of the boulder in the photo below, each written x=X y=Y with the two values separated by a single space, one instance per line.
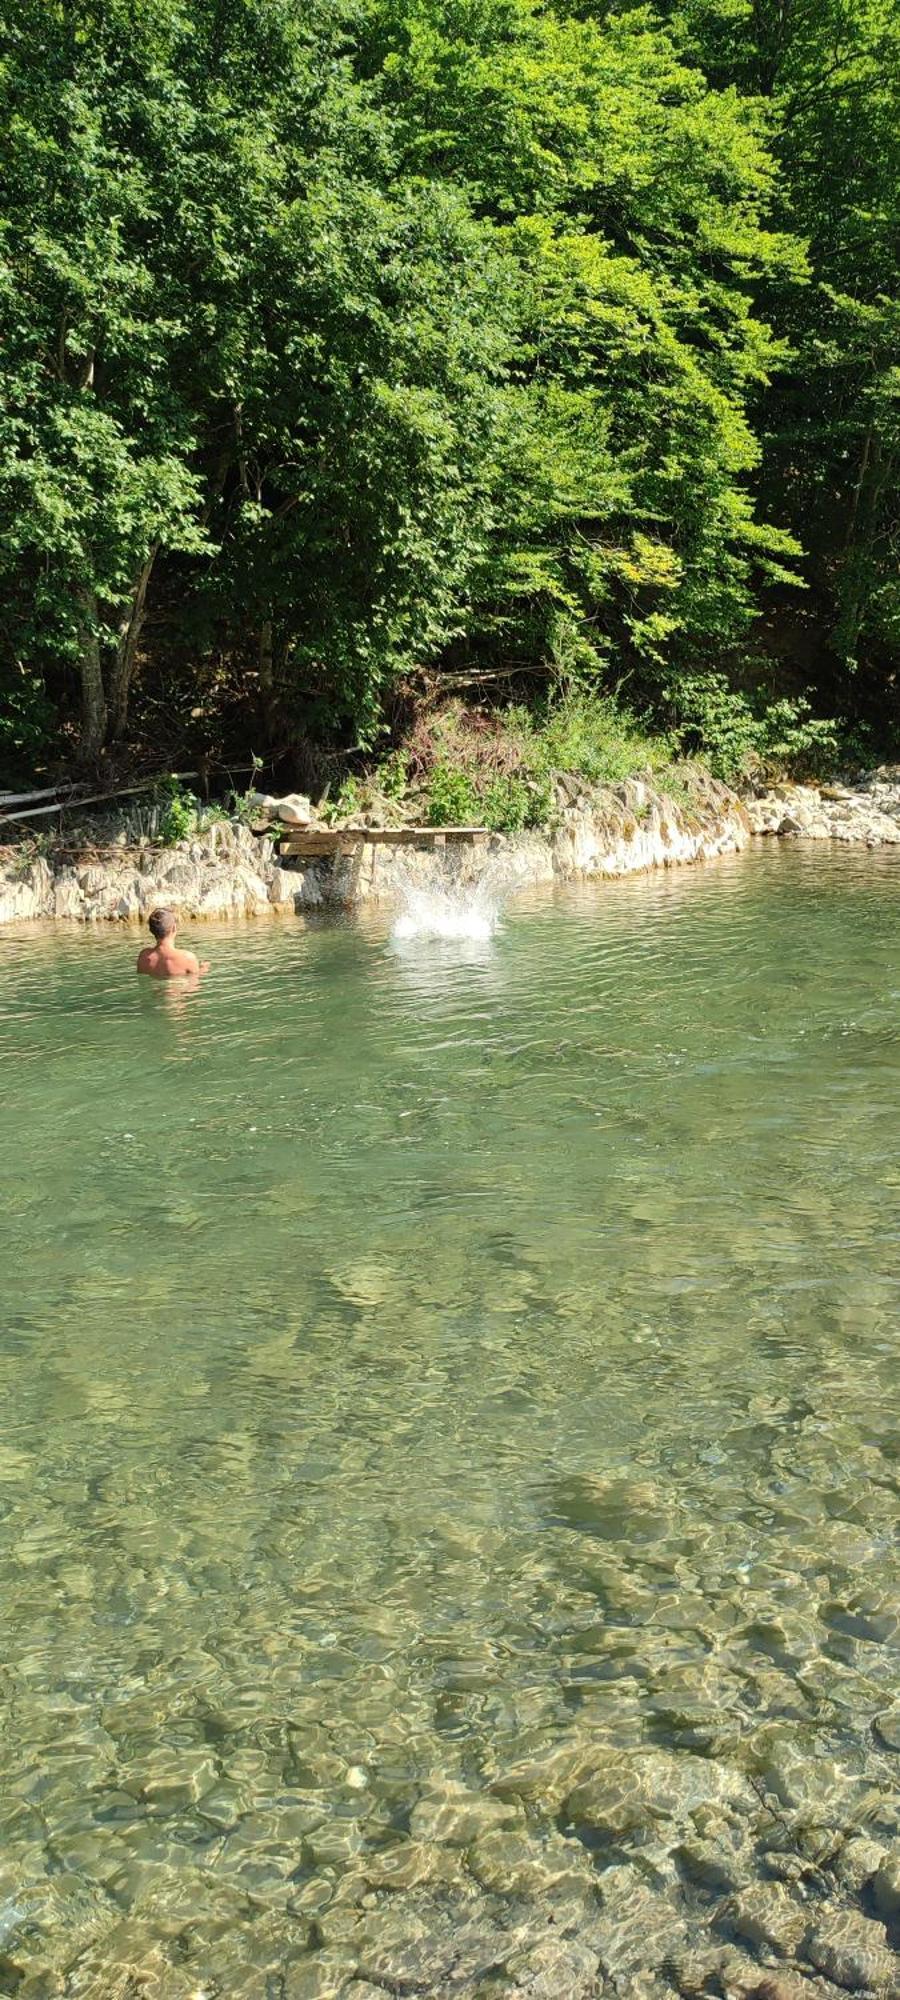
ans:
x=293 y=810
x=853 y=1952
x=765 y=1916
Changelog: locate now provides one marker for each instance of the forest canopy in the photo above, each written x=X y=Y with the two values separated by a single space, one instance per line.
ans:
x=347 y=345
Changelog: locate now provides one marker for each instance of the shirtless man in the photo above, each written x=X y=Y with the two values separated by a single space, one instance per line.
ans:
x=164 y=960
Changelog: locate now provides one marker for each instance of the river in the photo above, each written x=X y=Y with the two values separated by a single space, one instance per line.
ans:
x=449 y=1450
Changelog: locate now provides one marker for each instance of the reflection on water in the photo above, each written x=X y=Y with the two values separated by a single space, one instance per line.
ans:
x=449 y=1462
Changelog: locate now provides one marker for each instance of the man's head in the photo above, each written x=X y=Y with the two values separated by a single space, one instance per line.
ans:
x=162 y=924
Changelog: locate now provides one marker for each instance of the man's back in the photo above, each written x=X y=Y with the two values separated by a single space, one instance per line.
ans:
x=167 y=963
x=164 y=959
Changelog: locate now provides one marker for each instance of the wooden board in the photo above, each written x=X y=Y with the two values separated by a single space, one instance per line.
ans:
x=316 y=840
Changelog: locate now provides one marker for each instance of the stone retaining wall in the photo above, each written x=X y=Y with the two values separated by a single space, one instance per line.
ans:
x=601 y=832
x=621 y=830
x=225 y=872
x=617 y=830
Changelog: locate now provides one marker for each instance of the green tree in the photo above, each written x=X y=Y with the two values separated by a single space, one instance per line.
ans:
x=632 y=199
x=96 y=436
x=347 y=338
x=828 y=72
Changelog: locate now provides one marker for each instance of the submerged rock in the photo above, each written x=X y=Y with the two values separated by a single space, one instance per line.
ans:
x=451 y=1815
x=651 y=1789
x=887 y=1727
x=886 y=1888
x=853 y=1952
x=767 y=1917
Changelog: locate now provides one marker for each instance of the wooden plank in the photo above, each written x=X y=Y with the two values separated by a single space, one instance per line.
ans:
x=332 y=840
x=318 y=842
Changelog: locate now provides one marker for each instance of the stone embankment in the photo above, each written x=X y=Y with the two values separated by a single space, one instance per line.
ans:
x=230 y=871
x=224 y=872
x=866 y=813
x=614 y=830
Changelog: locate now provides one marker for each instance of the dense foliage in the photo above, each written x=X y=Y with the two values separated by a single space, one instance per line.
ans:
x=354 y=346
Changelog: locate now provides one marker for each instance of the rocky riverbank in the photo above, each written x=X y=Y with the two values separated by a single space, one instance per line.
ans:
x=225 y=871
x=230 y=871
x=867 y=812
x=597 y=831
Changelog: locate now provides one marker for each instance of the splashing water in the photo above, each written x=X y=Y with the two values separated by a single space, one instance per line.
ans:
x=464 y=912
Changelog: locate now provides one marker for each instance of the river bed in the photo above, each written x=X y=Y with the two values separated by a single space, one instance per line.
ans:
x=449 y=1456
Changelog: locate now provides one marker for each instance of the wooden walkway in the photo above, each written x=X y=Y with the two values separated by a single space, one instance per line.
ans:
x=310 y=841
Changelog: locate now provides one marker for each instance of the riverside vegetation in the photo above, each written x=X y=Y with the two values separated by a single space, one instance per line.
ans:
x=365 y=352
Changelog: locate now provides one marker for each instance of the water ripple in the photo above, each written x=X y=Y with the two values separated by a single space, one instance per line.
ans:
x=450 y=1449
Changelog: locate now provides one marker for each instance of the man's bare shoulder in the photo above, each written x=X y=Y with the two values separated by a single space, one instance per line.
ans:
x=170 y=964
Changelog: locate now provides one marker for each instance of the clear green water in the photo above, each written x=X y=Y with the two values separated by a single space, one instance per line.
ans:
x=449 y=1455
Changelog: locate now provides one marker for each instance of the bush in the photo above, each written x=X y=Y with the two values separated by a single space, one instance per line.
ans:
x=392 y=776
x=179 y=813
x=452 y=797
x=510 y=804
x=347 y=802
x=734 y=733
x=590 y=735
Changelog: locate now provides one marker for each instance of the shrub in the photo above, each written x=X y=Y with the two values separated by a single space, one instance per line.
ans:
x=510 y=804
x=452 y=797
x=590 y=735
x=392 y=776
x=733 y=732
x=348 y=800
x=179 y=813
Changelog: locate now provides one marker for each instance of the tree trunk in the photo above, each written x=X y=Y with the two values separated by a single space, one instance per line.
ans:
x=855 y=586
x=130 y=629
x=858 y=488
x=93 y=697
x=266 y=676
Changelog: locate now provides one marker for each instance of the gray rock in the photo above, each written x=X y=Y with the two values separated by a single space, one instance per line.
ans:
x=552 y=1968
x=767 y=1917
x=545 y=1779
x=859 y=1860
x=508 y=1862
x=651 y=1787
x=455 y=1816
x=886 y=1888
x=853 y=1952
x=402 y=1867
x=711 y=1864
x=887 y=1727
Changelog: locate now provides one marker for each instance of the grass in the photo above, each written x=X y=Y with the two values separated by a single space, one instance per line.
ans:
x=591 y=737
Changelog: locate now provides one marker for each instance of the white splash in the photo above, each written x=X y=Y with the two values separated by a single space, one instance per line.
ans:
x=452 y=913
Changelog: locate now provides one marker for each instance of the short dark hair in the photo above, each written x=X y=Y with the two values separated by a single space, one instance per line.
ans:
x=162 y=923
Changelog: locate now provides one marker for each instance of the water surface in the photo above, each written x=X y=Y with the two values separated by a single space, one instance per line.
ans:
x=449 y=1452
